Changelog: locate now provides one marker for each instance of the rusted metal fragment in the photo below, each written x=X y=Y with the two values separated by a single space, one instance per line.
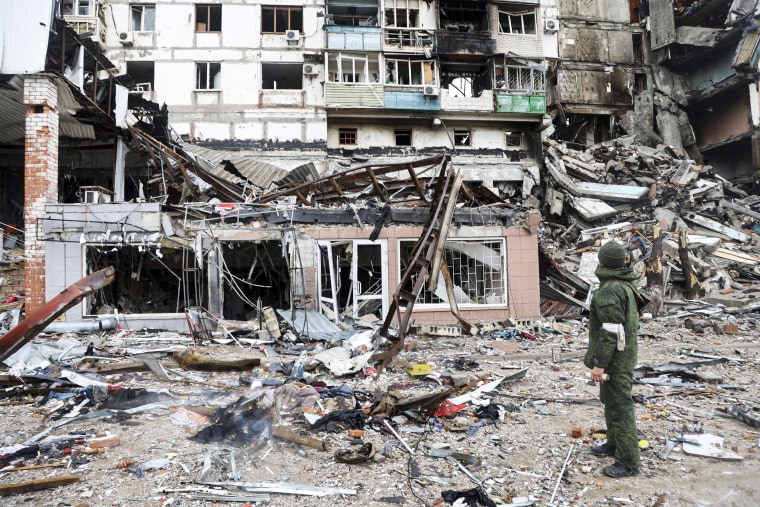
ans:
x=47 y=313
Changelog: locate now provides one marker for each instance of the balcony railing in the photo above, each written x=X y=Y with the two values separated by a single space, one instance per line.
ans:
x=415 y=40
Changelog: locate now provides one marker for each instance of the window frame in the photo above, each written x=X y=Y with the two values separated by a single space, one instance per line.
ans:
x=209 y=76
x=347 y=136
x=519 y=78
x=291 y=23
x=133 y=8
x=464 y=135
x=429 y=300
x=210 y=11
x=513 y=15
x=395 y=66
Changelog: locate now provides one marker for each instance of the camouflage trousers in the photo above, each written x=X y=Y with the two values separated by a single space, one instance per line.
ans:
x=620 y=417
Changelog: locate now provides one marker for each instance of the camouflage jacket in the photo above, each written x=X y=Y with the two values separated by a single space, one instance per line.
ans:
x=615 y=303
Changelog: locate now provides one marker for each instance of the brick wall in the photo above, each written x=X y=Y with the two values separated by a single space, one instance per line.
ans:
x=40 y=178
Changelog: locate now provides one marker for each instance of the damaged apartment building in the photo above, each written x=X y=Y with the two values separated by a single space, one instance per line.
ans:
x=257 y=155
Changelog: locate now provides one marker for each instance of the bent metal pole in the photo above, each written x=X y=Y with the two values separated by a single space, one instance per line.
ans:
x=35 y=323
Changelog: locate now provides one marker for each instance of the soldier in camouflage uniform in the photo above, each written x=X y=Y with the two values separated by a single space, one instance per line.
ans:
x=615 y=302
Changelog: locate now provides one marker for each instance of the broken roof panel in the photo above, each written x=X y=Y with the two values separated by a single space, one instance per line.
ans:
x=257 y=172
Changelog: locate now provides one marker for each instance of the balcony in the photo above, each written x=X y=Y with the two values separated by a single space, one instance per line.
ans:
x=510 y=103
x=353 y=95
x=464 y=43
x=90 y=26
x=407 y=40
x=354 y=38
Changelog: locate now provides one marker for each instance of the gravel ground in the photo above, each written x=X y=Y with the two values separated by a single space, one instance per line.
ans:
x=517 y=461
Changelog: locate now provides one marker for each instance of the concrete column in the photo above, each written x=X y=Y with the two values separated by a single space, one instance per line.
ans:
x=40 y=178
x=118 y=173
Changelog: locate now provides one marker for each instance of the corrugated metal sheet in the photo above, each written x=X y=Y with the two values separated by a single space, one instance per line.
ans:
x=260 y=173
x=24 y=33
x=354 y=95
x=12 y=115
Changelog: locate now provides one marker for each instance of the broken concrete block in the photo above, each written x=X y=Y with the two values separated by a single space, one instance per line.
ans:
x=106 y=441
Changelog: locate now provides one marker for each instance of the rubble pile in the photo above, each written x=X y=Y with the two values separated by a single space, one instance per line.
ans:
x=690 y=232
x=242 y=415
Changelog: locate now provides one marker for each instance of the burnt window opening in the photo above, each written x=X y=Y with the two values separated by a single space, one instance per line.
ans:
x=517 y=20
x=640 y=82
x=465 y=83
x=208 y=76
x=403 y=137
x=279 y=19
x=347 y=136
x=281 y=76
x=638 y=47
x=462 y=137
x=208 y=18
x=456 y=16
x=477 y=269
x=355 y=15
x=253 y=271
x=143 y=73
x=143 y=17
x=513 y=140
x=147 y=280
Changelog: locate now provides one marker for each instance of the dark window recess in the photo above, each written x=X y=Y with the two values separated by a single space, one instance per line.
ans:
x=347 y=136
x=281 y=76
x=638 y=47
x=208 y=18
x=513 y=140
x=279 y=19
x=462 y=138
x=640 y=82
x=208 y=76
x=403 y=137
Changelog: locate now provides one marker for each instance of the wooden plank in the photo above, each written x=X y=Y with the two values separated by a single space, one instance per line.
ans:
x=37 y=485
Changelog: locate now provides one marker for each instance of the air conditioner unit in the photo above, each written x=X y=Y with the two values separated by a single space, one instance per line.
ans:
x=551 y=25
x=310 y=69
x=292 y=35
x=431 y=91
x=127 y=38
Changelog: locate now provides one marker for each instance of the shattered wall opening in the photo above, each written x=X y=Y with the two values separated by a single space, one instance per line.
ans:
x=254 y=274
x=353 y=278
x=478 y=269
x=465 y=79
x=148 y=280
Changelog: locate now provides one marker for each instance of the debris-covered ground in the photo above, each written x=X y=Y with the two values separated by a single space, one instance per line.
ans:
x=515 y=427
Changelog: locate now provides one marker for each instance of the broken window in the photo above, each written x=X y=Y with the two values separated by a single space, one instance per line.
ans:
x=143 y=73
x=77 y=8
x=281 y=76
x=513 y=139
x=143 y=17
x=353 y=278
x=208 y=18
x=352 y=68
x=254 y=274
x=278 y=19
x=402 y=13
x=208 y=76
x=465 y=80
x=149 y=279
x=462 y=137
x=353 y=15
x=346 y=136
x=513 y=77
x=410 y=72
x=403 y=137
x=478 y=269
x=517 y=20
